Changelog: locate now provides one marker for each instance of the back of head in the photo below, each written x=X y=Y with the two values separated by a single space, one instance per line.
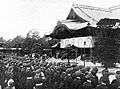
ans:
x=96 y=69
x=104 y=79
x=94 y=72
x=105 y=72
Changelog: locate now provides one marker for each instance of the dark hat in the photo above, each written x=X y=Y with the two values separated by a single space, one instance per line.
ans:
x=117 y=72
x=78 y=73
x=83 y=70
x=117 y=75
x=93 y=72
x=69 y=70
x=89 y=76
x=81 y=66
x=76 y=68
x=95 y=68
x=74 y=65
x=104 y=79
x=105 y=72
x=87 y=68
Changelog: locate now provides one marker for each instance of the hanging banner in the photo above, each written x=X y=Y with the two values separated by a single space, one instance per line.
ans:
x=80 y=42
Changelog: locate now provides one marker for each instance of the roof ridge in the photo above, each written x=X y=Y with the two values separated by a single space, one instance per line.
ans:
x=114 y=7
x=91 y=7
x=98 y=8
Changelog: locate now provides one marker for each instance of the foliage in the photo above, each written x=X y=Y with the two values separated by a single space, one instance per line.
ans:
x=17 y=42
x=2 y=42
x=44 y=41
x=31 y=39
x=33 y=34
x=106 y=48
x=36 y=48
x=33 y=42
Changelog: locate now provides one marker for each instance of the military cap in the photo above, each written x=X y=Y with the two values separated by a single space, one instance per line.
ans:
x=89 y=76
x=87 y=68
x=104 y=79
x=76 y=68
x=105 y=72
x=81 y=66
x=117 y=72
x=117 y=75
x=74 y=65
x=83 y=70
x=93 y=72
x=95 y=68
x=78 y=73
x=69 y=70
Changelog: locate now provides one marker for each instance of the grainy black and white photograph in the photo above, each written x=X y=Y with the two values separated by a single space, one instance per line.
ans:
x=59 y=44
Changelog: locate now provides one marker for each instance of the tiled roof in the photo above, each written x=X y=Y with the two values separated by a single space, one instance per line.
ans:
x=94 y=14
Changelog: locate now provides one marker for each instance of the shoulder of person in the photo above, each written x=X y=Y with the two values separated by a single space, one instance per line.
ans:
x=114 y=81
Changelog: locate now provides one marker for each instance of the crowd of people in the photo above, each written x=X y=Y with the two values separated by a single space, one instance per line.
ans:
x=29 y=73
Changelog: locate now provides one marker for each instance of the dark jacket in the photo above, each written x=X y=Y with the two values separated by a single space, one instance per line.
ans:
x=115 y=84
x=87 y=85
x=102 y=86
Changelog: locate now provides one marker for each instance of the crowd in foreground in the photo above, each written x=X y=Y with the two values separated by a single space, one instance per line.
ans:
x=28 y=73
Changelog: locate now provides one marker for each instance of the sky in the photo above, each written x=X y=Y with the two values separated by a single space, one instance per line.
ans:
x=17 y=17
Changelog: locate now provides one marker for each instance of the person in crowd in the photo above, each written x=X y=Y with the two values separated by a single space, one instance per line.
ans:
x=115 y=84
x=16 y=77
x=10 y=84
x=62 y=82
x=82 y=75
x=103 y=84
x=30 y=73
x=87 y=84
x=39 y=79
x=77 y=83
x=56 y=78
x=105 y=75
x=29 y=78
x=2 y=77
x=94 y=79
x=68 y=81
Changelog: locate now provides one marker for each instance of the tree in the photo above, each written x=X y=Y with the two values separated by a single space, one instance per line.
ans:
x=2 y=42
x=17 y=42
x=31 y=39
x=34 y=34
x=106 y=48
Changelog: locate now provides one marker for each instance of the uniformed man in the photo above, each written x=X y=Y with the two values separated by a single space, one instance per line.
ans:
x=103 y=84
x=94 y=79
x=68 y=81
x=62 y=82
x=29 y=78
x=56 y=79
x=2 y=77
x=39 y=79
x=16 y=77
x=115 y=84
x=77 y=83
x=105 y=75
x=87 y=84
